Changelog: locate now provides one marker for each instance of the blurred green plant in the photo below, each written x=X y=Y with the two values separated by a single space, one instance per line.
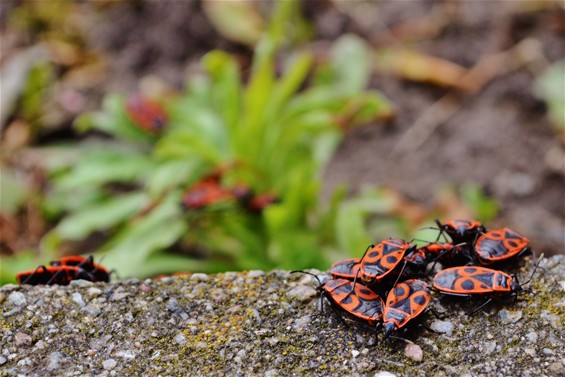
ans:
x=550 y=87
x=17 y=202
x=121 y=195
x=273 y=135
x=483 y=207
x=244 y=21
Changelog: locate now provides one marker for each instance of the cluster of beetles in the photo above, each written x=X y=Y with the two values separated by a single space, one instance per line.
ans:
x=63 y=270
x=392 y=270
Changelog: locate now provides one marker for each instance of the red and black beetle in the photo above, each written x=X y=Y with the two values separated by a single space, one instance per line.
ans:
x=95 y=272
x=406 y=301
x=500 y=245
x=355 y=299
x=477 y=281
x=461 y=231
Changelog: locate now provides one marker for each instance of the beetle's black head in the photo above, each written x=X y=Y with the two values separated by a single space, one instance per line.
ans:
x=515 y=286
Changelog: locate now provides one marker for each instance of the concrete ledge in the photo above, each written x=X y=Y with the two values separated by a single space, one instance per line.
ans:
x=257 y=323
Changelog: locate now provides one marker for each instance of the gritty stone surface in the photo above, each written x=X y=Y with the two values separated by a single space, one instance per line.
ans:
x=254 y=323
x=508 y=316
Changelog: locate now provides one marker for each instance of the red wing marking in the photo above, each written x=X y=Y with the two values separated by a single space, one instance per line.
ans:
x=362 y=303
x=406 y=301
x=383 y=258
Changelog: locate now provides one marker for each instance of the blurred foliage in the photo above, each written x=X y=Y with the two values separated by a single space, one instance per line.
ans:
x=236 y=20
x=272 y=130
x=46 y=19
x=35 y=90
x=272 y=135
x=550 y=86
x=12 y=191
x=245 y=21
x=483 y=207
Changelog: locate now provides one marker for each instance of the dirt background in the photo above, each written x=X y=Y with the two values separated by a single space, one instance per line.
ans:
x=497 y=137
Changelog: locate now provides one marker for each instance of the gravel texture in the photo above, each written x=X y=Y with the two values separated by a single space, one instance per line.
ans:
x=256 y=323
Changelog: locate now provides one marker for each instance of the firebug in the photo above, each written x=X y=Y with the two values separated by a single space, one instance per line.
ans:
x=379 y=261
x=61 y=275
x=477 y=281
x=205 y=193
x=406 y=301
x=146 y=114
x=500 y=245
x=461 y=231
x=95 y=271
x=357 y=300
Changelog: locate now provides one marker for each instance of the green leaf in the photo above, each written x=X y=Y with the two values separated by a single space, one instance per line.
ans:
x=350 y=228
x=170 y=175
x=316 y=99
x=201 y=124
x=366 y=108
x=130 y=248
x=236 y=20
x=227 y=91
x=185 y=144
x=101 y=215
x=13 y=192
x=351 y=60
x=256 y=99
x=251 y=251
x=40 y=77
x=59 y=201
x=291 y=81
x=113 y=120
x=98 y=167
x=297 y=250
x=324 y=148
x=550 y=87
x=329 y=215
x=375 y=200
x=300 y=197
x=484 y=208
x=285 y=21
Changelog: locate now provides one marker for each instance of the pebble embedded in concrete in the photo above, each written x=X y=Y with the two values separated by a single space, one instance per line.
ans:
x=22 y=340
x=16 y=299
x=109 y=364
x=444 y=327
x=414 y=352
